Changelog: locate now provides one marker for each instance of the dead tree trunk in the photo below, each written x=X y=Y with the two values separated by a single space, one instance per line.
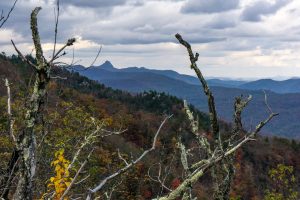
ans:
x=27 y=142
x=25 y=150
x=219 y=154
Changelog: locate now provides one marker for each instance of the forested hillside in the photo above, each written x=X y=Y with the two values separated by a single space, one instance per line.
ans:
x=186 y=87
x=69 y=132
x=73 y=100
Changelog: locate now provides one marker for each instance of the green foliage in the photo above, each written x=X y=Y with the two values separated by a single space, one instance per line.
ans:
x=235 y=198
x=3 y=116
x=284 y=184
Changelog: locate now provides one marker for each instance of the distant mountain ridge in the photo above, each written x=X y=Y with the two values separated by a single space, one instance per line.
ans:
x=135 y=79
x=286 y=86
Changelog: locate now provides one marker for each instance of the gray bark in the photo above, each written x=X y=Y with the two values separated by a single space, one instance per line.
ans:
x=27 y=141
x=219 y=154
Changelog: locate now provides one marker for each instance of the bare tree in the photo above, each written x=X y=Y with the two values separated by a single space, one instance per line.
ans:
x=24 y=155
x=219 y=153
x=128 y=164
x=25 y=150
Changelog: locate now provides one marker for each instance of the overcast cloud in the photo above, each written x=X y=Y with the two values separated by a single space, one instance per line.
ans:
x=255 y=12
x=209 y=6
x=235 y=38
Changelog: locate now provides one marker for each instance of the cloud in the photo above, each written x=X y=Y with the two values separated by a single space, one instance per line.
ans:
x=94 y=3
x=141 y=32
x=201 y=39
x=209 y=6
x=221 y=22
x=145 y=28
x=6 y=34
x=109 y=3
x=255 y=12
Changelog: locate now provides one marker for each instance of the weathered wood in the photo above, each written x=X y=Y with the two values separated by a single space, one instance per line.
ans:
x=219 y=155
x=26 y=143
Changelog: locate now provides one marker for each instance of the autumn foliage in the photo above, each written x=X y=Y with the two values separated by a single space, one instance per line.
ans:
x=61 y=181
x=72 y=110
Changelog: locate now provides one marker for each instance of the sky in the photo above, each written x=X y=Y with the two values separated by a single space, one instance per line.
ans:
x=237 y=39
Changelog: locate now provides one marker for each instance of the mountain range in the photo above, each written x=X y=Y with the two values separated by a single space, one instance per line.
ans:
x=283 y=96
x=282 y=87
x=74 y=100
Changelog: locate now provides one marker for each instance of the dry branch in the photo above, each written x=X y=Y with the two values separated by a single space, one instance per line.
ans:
x=129 y=165
x=3 y=18
x=200 y=171
x=76 y=175
x=218 y=159
x=210 y=98
x=26 y=146
x=9 y=112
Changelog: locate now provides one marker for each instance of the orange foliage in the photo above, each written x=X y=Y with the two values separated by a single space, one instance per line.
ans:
x=175 y=183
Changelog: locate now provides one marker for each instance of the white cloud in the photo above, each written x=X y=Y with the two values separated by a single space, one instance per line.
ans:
x=211 y=6
x=256 y=11
x=7 y=34
x=141 y=33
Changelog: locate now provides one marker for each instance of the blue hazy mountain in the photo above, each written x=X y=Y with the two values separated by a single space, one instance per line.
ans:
x=108 y=67
x=135 y=79
x=286 y=86
x=225 y=83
